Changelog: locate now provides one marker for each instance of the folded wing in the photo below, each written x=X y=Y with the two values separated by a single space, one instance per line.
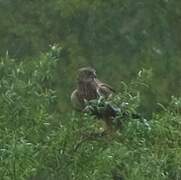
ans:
x=104 y=89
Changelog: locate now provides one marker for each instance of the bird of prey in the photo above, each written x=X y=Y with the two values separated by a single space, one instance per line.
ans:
x=90 y=88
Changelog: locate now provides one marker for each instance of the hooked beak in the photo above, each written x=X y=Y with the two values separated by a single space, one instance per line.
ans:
x=94 y=75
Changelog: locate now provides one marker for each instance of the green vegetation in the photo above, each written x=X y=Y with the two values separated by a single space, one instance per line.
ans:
x=134 y=45
x=38 y=141
x=120 y=35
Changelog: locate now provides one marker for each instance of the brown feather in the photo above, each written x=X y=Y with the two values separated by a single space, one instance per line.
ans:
x=90 y=88
x=101 y=84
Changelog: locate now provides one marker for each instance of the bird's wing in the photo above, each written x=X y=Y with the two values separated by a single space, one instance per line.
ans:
x=76 y=102
x=104 y=89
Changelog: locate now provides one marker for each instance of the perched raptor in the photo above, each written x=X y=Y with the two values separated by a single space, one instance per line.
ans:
x=90 y=88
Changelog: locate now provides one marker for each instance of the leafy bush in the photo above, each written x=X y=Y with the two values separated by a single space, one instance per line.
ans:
x=39 y=142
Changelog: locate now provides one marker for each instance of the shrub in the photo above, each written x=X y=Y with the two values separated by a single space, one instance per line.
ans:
x=39 y=142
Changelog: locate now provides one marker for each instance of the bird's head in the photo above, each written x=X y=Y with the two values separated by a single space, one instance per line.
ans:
x=86 y=74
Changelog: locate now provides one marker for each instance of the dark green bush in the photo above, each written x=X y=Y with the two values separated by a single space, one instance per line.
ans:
x=38 y=141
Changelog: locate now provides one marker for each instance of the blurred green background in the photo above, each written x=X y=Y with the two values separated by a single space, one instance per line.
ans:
x=117 y=37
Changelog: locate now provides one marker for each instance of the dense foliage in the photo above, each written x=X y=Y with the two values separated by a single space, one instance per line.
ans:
x=134 y=45
x=119 y=35
x=38 y=141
